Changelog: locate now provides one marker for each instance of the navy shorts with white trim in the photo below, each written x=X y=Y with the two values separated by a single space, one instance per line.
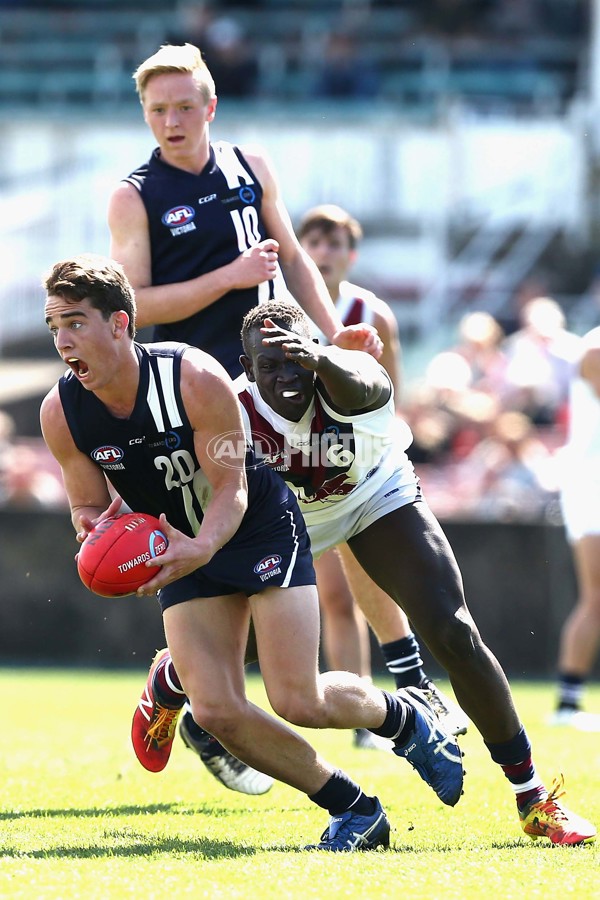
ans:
x=277 y=555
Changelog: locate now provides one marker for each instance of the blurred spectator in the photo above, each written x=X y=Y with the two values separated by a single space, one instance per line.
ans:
x=7 y=430
x=345 y=70
x=431 y=426
x=509 y=475
x=446 y=415
x=228 y=54
x=190 y=23
x=27 y=480
x=466 y=384
x=538 y=284
x=455 y=17
x=541 y=358
x=28 y=476
x=480 y=339
x=478 y=416
x=566 y=18
x=513 y=18
x=231 y=59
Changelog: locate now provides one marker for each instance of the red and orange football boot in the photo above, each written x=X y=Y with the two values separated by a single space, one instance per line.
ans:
x=153 y=726
x=548 y=818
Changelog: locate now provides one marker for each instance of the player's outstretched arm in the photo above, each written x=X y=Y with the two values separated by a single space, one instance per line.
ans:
x=352 y=379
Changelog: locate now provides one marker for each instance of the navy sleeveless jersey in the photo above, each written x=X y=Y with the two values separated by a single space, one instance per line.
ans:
x=149 y=458
x=198 y=223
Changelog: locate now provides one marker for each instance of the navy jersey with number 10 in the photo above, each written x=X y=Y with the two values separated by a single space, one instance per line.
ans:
x=199 y=223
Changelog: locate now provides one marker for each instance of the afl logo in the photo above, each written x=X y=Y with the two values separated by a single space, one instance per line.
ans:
x=178 y=215
x=107 y=454
x=267 y=564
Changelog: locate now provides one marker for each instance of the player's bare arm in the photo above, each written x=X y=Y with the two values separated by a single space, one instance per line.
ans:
x=387 y=328
x=159 y=304
x=302 y=276
x=353 y=379
x=86 y=487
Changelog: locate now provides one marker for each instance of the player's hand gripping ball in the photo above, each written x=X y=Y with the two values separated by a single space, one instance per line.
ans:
x=112 y=558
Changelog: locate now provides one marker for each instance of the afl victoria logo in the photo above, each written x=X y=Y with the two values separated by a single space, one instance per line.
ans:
x=267 y=564
x=107 y=454
x=178 y=215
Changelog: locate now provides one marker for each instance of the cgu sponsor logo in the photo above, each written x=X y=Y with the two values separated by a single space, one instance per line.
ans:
x=178 y=215
x=107 y=454
x=267 y=564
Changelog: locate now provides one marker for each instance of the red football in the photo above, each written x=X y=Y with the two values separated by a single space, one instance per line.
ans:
x=112 y=558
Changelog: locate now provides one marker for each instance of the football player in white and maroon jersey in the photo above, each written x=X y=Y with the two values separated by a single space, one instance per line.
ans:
x=331 y=236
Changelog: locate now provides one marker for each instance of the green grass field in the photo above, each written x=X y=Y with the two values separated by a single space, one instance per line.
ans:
x=81 y=819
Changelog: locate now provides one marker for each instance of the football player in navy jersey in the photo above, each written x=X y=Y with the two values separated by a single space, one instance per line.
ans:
x=238 y=547
x=203 y=234
x=201 y=229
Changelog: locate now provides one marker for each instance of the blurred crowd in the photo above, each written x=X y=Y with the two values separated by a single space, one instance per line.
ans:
x=400 y=50
x=348 y=56
x=29 y=476
x=490 y=415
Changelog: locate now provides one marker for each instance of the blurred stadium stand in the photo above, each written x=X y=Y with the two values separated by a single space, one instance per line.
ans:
x=80 y=52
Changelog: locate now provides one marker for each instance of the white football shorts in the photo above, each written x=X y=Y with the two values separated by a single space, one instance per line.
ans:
x=347 y=519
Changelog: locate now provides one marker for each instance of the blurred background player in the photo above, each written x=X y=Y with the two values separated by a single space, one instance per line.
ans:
x=580 y=495
x=541 y=356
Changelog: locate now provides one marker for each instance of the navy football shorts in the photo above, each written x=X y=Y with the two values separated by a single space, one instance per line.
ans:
x=276 y=555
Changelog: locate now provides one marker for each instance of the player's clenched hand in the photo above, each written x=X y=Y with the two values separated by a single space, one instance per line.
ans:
x=255 y=265
x=359 y=337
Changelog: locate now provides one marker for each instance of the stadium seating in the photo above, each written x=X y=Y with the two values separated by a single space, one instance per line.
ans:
x=76 y=53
